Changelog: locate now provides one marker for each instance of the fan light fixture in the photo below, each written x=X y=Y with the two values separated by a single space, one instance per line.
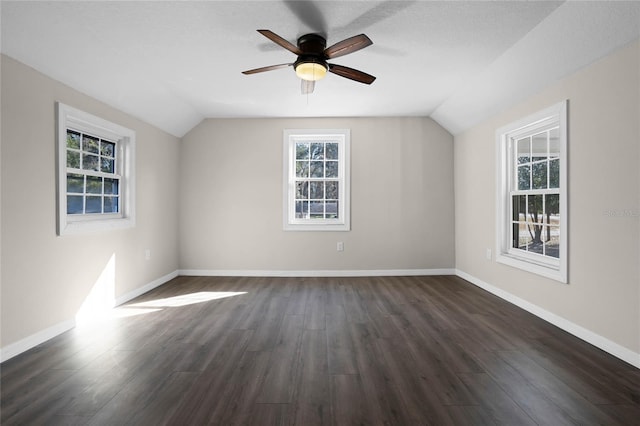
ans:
x=311 y=71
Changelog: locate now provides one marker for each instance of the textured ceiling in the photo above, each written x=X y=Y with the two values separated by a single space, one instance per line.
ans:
x=174 y=63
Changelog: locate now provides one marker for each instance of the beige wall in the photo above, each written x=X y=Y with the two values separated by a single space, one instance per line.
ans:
x=603 y=294
x=46 y=278
x=230 y=204
x=401 y=198
x=214 y=202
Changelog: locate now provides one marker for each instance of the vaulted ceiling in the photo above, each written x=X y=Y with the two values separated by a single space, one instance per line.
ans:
x=174 y=63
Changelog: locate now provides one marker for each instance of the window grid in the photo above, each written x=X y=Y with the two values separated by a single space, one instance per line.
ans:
x=92 y=182
x=317 y=185
x=535 y=194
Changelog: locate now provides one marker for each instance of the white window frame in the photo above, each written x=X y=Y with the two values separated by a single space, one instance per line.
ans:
x=125 y=139
x=290 y=138
x=547 y=266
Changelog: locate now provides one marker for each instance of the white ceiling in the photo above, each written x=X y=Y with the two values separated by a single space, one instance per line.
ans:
x=174 y=63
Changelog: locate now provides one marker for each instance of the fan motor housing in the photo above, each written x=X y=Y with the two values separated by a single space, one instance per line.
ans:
x=312 y=47
x=312 y=44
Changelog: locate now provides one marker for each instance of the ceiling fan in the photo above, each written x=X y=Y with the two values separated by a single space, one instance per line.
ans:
x=311 y=64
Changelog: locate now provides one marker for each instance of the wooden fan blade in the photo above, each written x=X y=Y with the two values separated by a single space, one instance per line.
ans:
x=307 y=86
x=280 y=41
x=263 y=69
x=350 y=73
x=350 y=45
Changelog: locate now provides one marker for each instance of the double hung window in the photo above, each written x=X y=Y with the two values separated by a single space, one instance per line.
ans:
x=532 y=193
x=93 y=178
x=95 y=173
x=316 y=180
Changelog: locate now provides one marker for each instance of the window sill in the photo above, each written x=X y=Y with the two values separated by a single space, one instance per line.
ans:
x=546 y=270
x=79 y=227
x=342 y=227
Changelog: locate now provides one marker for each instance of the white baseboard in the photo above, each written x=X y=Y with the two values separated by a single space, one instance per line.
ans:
x=34 y=340
x=317 y=273
x=42 y=336
x=145 y=288
x=588 y=336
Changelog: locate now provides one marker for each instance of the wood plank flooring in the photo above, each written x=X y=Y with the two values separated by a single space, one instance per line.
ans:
x=318 y=351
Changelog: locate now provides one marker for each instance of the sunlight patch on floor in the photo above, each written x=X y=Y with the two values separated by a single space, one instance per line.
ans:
x=156 y=305
x=187 y=299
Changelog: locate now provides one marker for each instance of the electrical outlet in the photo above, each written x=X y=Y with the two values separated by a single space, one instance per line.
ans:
x=147 y=254
x=488 y=254
x=340 y=246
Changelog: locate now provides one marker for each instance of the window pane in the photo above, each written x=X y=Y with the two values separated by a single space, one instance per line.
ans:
x=535 y=218
x=317 y=209
x=519 y=207
x=553 y=242
x=74 y=204
x=110 y=205
x=523 y=151
x=332 y=190
x=108 y=165
x=537 y=246
x=111 y=186
x=94 y=185
x=332 y=151
x=317 y=169
x=107 y=149
x=75 y=183
x=552 y=207
x=94 y=205
x=515 y=235
x=90 y=162
x=317 y=151
x=524 y=177
x=539 y=178
x=521 y=236
x=331 y=209
x=317 y=190
x=535 y=206
x=554 y=143
x=518 y=215
x=73 y=159
x=302 y=190
x=539 y=147
x=302 y=209
x=554 y=173
x=302 y=151
x=90 y=144
x=302 y=169
x=73 y=139
x=331 y=169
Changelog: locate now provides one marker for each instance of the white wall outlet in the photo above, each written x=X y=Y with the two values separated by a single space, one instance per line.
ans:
x=488 y=254
x=340 y=246
x=147 y=254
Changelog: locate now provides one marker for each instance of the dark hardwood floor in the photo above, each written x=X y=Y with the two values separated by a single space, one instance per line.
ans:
x=311 y=351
